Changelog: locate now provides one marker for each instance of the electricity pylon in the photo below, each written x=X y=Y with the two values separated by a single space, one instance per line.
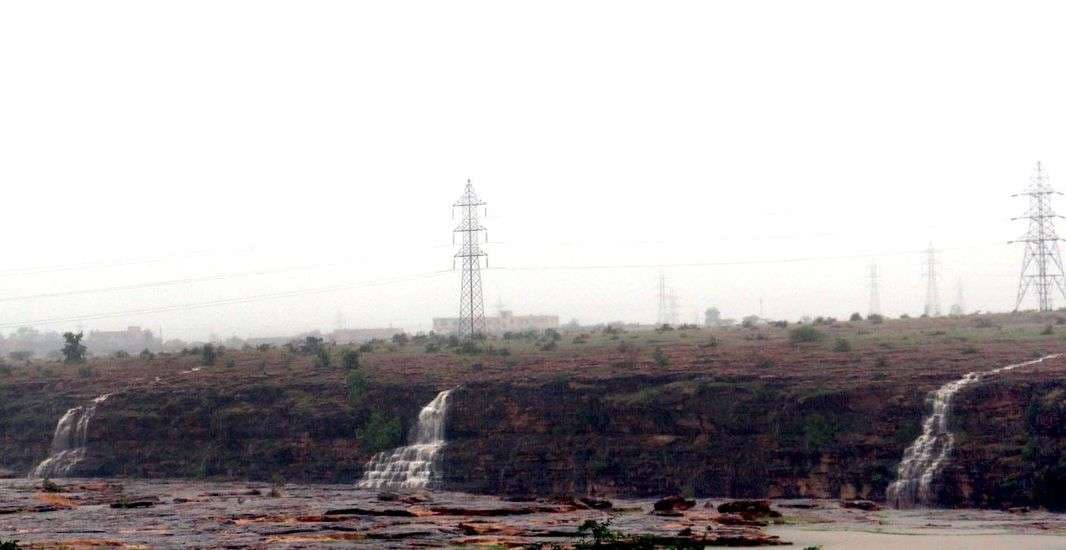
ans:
x=932 y=293
x=1042 y=264
x=663 y=318
x=471 y=302
x=875 y=291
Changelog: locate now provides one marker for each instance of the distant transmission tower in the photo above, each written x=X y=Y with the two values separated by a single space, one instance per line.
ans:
x=664 y=302
x=1042 y=264
x=875 y=291
x=932 y=294
x=471 y=303
x=959 y=307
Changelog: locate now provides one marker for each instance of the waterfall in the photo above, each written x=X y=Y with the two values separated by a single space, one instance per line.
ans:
x=411 y=466
x=69 y=440
x=924 y=459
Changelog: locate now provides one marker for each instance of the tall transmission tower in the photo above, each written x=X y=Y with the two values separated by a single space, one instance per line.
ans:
x=1042 y=264
x=932 y=294
x=663 y=318
x=471 y=302
x=875 y=291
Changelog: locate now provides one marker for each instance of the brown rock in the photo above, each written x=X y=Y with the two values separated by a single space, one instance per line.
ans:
x=596 y=503
x=868 y=505
x=737 y=519
x=368 y=512
x=674 y=504
x=748 y=508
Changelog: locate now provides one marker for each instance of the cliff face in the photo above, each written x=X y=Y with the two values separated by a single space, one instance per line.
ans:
x=754 y=416
x=1011 y=436
x=703 y=436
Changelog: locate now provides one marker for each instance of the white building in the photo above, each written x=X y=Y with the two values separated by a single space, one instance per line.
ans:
x=506 y=322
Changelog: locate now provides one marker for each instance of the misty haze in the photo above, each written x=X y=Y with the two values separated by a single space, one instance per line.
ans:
x=551 y=275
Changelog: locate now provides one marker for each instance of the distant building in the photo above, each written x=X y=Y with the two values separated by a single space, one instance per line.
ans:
x=505 y=322
x=131 y=340
x=361 y=335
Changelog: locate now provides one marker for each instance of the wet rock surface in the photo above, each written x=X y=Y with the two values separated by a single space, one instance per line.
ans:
x=181 y=514
x=197 y=514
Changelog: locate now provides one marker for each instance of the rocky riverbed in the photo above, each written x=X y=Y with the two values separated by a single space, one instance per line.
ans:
x=92 y=513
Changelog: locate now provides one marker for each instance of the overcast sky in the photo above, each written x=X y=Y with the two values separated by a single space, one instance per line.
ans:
x=284 y=147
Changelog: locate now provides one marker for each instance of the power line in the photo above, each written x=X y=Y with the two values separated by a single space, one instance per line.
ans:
x=171 y=282
x=225 y=301
x=711 y=264
x=11 y=272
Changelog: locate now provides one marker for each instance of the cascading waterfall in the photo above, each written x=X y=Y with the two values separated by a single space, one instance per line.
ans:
x=411 y=466
x=69 y=440
x=924 y=459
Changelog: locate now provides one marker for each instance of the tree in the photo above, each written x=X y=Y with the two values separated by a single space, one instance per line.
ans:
x=73 y=349
x=209 y=354
x=856 y=317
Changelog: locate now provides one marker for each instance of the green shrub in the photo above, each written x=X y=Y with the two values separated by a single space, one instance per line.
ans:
x=804 y=334
x=85 y=371
x=1048 y=331
x=311 y=345
x=596 y=534
x=9 y=545
x=147 y=355
x=855 y=317
x=322 y=358
x=357 y=384
x=230 y=363
x=660 y=358
x=876 y=318
x=350 y=360
x=380 y=433
x=842 y=345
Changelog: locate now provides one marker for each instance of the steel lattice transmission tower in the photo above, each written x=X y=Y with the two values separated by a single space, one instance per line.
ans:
x=932 y=293
x=664 y=302
x=471 y=302
x=875 y=291
x=1042 y=264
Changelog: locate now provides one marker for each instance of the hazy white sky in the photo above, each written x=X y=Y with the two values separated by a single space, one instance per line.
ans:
x=143 y=142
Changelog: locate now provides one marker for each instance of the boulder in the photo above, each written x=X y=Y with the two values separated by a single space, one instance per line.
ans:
x=596 y=503
x=867 y=505
x=674 y=504
x=737 y=519
x=748 y=509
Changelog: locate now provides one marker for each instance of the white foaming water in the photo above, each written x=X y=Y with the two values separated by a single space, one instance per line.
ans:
x=412 y=466
x=925 y=457
x=68 y=442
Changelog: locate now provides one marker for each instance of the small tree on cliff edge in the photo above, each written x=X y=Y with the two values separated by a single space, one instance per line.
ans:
x=73 y=349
